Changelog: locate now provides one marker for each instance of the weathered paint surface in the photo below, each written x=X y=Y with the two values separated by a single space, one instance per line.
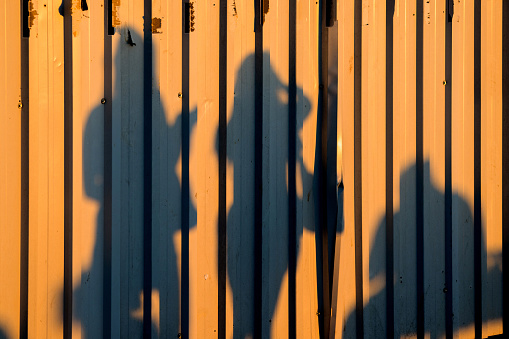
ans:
x=46 y=173
x=32 y=13
x=115 y=19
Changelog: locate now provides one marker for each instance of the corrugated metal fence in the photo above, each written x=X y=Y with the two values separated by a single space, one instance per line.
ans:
x=172 y=168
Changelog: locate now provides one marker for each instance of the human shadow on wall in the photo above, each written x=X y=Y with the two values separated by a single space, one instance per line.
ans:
x=275 y=197
x=93 y=292
x=404 y=251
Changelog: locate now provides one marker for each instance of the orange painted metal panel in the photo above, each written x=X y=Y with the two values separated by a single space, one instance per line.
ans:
x=446 y=155
x=11 y=107
x=46 y=173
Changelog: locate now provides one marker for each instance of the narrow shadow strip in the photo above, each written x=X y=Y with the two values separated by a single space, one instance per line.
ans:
x=147 y=169
x=322 y=133
x=358 y=165
x=185 y=180
x=419 y=142
x=108 y=180
x=222 y=235
x=332 y=144
x=258 y=169
x=23 y=316
x=448 y=175
x=477 y=171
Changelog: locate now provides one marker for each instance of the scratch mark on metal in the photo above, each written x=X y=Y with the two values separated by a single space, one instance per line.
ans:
x=129 y=39
x=156 y=26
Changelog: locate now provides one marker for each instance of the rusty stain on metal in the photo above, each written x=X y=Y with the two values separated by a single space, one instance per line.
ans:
x=32 y=14
x=234 y=9
x=115 y=20
x=77 y=9
x=427 y=9
x=191 y=16
x=75 y=6
x=265 y=9
x=156 y=25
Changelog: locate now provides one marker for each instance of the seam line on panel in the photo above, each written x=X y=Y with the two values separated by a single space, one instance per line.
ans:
x=185 y=180
x=477 y=172
x=222 y=232
x=68 y=170
x=359 y=314
x=108 y=184
x=389 y=168
x=321 y=155
x=292 y=121
x=147 y=169
x=24 y=231
x=420 y=168
x=258 y=234
x=448 y=178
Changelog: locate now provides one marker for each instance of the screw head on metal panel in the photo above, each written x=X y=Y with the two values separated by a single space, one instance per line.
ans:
x=445 y=289
x=103 y=101
x=445 y=82
x=20 y=105
x=179 y=95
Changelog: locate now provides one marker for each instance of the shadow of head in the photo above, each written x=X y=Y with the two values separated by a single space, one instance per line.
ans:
x=275 y=92
x=127 y=64
x=126 y=105
x=271 y=129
